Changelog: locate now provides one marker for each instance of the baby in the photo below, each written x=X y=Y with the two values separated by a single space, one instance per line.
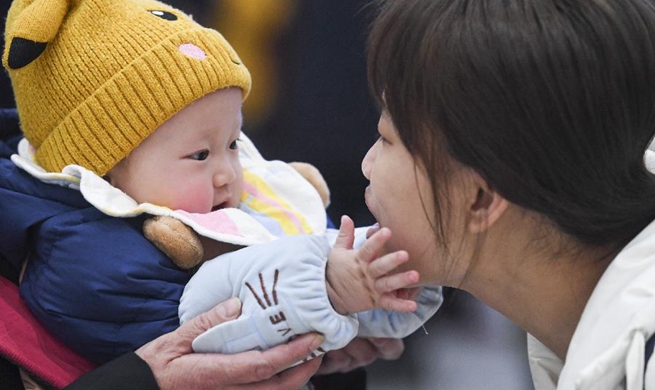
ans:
x=205 y=157
x=129 y=109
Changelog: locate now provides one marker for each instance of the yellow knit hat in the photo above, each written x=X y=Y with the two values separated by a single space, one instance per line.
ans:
x=93 y=78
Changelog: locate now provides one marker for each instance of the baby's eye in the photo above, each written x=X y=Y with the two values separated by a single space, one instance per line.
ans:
x=200 y=155
x=234 y=145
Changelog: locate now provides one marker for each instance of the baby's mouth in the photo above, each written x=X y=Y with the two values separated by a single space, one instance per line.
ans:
x=219 y=206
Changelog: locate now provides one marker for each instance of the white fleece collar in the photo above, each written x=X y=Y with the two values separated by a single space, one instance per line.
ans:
x=277 y=201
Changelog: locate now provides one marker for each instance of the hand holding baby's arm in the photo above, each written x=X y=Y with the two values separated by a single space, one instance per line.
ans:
x=360 y=279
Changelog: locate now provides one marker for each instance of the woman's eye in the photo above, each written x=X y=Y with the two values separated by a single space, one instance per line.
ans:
x=234 y=145
x=200 y=156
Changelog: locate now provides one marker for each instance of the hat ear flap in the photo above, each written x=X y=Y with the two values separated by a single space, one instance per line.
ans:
x=30 y=29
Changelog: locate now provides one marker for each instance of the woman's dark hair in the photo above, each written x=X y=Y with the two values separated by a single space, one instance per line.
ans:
x=551 y=101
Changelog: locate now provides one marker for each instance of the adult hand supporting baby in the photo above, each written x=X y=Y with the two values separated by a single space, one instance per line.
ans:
x=175 y=366
x=360 y=352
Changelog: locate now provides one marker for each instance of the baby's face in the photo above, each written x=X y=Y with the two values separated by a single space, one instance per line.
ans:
x=191 y=162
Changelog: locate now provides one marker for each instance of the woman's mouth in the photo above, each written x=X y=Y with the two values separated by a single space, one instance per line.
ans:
x=368 y=199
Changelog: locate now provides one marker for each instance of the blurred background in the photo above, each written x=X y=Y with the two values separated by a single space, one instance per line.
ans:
x=310 y=103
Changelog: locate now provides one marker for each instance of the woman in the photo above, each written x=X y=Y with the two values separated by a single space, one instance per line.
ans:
x=510 y=164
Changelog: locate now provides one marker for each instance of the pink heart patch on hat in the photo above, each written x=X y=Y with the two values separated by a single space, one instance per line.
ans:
x=193 y=51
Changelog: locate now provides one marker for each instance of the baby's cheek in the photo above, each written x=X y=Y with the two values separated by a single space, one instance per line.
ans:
x=192 y=201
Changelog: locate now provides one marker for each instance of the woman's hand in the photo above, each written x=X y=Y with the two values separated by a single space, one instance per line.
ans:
x=175 y=366
x=360 y=352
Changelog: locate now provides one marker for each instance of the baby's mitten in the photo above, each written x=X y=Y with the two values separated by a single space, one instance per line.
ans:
x=283 y=291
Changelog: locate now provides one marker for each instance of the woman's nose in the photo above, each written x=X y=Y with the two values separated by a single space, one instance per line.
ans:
x=368 y=161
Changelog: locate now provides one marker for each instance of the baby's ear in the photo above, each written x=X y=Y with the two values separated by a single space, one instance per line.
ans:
x=31 y=25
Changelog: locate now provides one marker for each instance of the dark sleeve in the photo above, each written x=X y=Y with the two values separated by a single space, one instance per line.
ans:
x=353 y=380
x=9 y=376
x=125 y=373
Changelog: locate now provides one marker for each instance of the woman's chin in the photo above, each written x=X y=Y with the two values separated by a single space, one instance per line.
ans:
x=372 y=230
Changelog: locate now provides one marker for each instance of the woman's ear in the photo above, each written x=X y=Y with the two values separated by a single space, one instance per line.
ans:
x=486 y=208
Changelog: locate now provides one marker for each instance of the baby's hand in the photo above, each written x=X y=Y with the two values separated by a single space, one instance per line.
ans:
x=359 y=280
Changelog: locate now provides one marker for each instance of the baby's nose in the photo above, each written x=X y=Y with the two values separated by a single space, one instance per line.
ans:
x=224 y=175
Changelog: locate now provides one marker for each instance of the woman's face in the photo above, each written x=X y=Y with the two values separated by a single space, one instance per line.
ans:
x=400 y=198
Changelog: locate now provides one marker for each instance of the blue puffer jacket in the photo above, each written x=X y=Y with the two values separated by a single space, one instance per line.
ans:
x=94 y=281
